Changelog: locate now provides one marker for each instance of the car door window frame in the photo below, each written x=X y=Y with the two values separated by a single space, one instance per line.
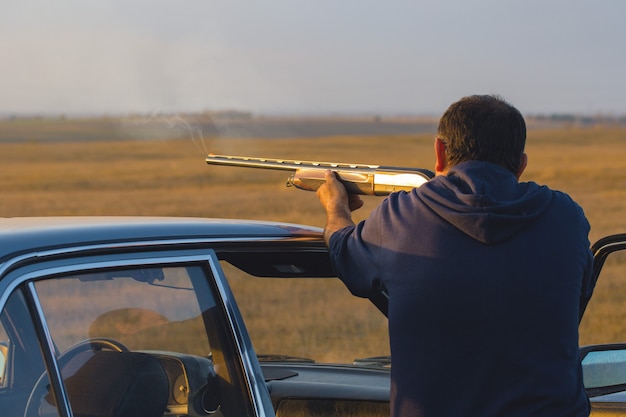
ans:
x=603 y=248
x=27 y=270
x=608 y=356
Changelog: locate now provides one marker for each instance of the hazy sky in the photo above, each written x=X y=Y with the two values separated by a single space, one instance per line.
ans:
x=322 y=56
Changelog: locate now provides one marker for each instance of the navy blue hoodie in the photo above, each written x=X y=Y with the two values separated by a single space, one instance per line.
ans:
x=486 y=277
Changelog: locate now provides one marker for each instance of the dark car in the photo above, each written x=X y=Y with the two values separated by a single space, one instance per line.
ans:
x=136 y=317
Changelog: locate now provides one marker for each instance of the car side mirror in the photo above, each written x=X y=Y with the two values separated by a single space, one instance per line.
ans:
x=604 y=368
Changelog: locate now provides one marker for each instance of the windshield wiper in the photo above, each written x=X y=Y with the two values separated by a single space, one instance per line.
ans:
x=384 y=361
x=282 y=358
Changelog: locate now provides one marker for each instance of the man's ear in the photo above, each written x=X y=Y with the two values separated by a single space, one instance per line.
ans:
x=522 y=165
x=441 y=159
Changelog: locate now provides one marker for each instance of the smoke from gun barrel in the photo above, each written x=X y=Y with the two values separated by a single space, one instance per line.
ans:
x=357 y=178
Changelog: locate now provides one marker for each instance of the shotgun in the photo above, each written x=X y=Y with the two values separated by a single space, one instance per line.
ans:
x=357 y=178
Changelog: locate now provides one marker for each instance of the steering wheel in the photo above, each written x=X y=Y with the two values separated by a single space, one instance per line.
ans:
x=36 y=405
x=91 y=344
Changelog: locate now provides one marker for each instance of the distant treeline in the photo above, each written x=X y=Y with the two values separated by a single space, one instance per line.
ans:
x=564 y=119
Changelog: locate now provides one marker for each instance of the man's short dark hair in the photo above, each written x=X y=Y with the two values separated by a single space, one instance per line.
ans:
x=483 y=128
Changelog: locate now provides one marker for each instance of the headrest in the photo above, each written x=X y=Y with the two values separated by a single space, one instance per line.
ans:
x=116 y=384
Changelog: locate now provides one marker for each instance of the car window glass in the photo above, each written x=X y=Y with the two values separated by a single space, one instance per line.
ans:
x=605 y=317
x=4 y=351
x=151 y=336
x=138 y=308
x=23 y=364
x=314 y=318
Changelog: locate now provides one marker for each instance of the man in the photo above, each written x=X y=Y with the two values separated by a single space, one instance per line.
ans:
x=486 y=275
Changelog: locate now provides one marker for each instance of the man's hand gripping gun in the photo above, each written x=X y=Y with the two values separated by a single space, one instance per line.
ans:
x=357 y=178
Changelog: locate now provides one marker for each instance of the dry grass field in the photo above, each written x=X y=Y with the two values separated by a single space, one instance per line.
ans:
x=168 y=177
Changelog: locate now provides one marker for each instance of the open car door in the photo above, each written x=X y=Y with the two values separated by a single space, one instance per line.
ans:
x=603 y=329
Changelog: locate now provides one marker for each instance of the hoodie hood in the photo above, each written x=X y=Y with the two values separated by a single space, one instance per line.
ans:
x=485 y=201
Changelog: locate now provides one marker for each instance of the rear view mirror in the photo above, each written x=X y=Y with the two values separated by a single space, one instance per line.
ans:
x=604 y=368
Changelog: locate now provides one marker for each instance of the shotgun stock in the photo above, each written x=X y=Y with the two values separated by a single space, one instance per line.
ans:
x=357 y=178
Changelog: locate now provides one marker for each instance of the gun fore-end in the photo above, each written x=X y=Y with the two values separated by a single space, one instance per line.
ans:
x=382 y=181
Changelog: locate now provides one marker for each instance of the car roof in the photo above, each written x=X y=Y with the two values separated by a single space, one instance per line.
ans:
x=28 y=234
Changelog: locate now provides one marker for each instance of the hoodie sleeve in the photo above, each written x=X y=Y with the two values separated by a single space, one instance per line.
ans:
x=354 y=260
